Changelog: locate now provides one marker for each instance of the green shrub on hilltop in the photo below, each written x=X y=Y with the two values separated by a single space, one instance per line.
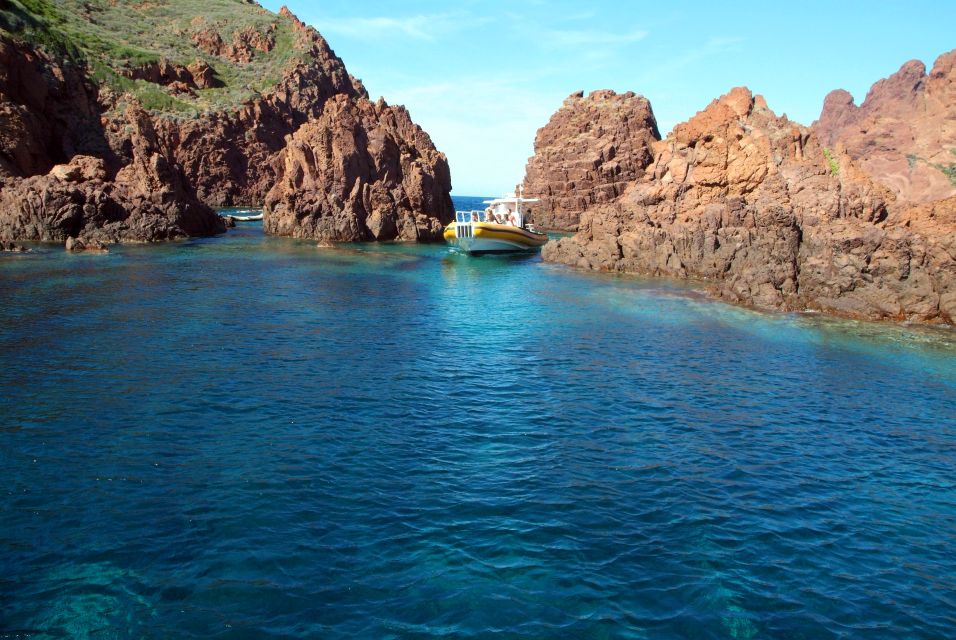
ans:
x=107 y=36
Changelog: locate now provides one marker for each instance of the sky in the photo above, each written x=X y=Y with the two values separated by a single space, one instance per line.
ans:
x=482 y=76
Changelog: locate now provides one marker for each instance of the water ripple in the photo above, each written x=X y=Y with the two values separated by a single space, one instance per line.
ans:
x=250 y=437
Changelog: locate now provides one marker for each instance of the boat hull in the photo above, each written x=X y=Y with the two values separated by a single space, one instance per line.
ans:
x=478 y=238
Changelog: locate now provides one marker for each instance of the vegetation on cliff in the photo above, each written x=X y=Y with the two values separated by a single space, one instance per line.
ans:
x=245 y=48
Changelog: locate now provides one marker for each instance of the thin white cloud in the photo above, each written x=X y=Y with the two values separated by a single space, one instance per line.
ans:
x=713 y=46
x=425 y=27
x=724 y=41
x=590 y=37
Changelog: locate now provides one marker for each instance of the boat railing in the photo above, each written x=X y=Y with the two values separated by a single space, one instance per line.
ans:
x=470 y=216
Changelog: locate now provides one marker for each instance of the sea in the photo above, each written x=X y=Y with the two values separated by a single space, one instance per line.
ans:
x=254 y=437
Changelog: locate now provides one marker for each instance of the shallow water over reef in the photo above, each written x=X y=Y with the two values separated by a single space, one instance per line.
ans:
x=250 y=437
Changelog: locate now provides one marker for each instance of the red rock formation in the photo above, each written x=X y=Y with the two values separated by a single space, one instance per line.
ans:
x=242 y=49
x=361 y=171
x=157 y=164
x=162 y=72
x=47 y=112
x=112 y=185
x=203 y=75
x=246 y=42
x=209 y=41
x=587 y=155
x=230 y=155
x=750 y=202
x=147 y=200
x=904 y=133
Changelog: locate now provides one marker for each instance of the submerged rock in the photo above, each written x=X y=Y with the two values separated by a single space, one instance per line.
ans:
x=12 y=247
x=77 y=245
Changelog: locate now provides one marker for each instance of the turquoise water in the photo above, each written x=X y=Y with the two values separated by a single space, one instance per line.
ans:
x=251 y=437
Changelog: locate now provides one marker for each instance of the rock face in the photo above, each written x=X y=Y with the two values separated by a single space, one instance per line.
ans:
x=147 y=200
x=48 y=113
x=112 y=185
x=904 y=133
x=751 y=202
x=243 y=47
x=589 y=152
x=361 y=171
x=231 y=156
x=162 y=72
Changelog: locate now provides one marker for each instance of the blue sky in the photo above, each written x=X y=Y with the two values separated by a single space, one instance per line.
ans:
x=482 y=77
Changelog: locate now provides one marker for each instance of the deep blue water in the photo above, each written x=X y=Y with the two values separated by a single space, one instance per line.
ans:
x=251 y=437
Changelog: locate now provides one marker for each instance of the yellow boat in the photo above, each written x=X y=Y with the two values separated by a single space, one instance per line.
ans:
x=500 y=228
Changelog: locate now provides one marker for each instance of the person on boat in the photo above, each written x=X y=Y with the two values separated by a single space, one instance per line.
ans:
x=503 y=215
x=490 y=216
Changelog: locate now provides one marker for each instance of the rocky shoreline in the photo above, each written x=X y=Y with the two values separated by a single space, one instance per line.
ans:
x=103 y=143
x=772 y=214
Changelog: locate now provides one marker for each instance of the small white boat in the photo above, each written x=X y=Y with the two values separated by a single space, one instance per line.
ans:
x=246 y=218
x=500 y=228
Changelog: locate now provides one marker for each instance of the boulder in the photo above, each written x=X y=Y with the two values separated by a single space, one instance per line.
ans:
x=80 y=169
x=203 y=75
x=77 y=245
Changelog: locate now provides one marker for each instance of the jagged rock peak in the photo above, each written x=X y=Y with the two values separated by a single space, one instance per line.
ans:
x=588 y=153
x=903 y=132
x=361 y=171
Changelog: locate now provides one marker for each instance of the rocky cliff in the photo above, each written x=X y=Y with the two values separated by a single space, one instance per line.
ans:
x=360 y=171
x=757 y=206
x=116 y=181
x=904 y=132
x=183 y=110
x=231 y=153
x=589 y=152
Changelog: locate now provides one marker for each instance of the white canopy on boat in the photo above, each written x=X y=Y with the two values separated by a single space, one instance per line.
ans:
x=512 y=199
